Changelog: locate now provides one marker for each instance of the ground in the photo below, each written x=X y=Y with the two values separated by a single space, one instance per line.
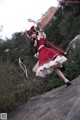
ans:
x=62 y=103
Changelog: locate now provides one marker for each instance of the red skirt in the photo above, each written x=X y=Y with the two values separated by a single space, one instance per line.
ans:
x=46 y=54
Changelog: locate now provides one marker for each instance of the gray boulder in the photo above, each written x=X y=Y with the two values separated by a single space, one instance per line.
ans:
x=73 y=45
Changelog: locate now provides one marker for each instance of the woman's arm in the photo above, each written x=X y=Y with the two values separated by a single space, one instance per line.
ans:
x=35 y=22
x=42 y=34
x=31 y=20
x=35 y=43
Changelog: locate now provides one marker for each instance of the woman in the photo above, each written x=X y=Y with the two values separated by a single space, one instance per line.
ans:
x=48 y=59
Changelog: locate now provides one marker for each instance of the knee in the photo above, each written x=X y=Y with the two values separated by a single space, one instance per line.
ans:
x=55 y=66
x=33 y=70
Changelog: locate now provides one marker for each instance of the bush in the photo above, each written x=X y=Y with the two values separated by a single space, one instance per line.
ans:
x=73 y=65
x=7 y=103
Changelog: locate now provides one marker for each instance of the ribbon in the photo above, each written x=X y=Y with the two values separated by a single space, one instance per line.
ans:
x=23 y=67
x=60 y=50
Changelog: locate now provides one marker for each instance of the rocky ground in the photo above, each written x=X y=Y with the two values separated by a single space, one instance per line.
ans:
x=62 y=103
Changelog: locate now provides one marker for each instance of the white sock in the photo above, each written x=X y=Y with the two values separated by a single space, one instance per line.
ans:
x=66 y=80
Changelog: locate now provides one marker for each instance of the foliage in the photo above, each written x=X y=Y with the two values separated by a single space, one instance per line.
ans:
x=7 y=103
x=73 y=65
x=65 y=25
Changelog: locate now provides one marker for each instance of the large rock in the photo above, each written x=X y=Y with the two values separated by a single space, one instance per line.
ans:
x=73 y=45
x=62 y=103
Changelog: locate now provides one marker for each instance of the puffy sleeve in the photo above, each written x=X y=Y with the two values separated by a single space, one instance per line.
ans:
x=41 y=35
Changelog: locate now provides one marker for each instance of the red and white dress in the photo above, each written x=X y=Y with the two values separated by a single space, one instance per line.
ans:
x=47 y=58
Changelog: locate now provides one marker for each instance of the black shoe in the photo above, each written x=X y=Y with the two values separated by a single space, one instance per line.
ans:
x=68 y=83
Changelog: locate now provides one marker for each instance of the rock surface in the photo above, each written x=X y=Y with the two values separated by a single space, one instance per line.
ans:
x=73 y=45
x=62 y=103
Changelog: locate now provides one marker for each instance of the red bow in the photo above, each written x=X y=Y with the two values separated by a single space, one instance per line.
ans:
x=29 y=32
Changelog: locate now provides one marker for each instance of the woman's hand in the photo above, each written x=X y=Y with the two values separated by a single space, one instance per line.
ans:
x=36 y=55
x=30 y=20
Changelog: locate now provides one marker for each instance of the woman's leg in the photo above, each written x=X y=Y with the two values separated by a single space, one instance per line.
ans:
x=60 y=73
x=35 y=67
x=62 y=76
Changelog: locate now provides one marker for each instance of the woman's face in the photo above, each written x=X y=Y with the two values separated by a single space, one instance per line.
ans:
x=34 y=35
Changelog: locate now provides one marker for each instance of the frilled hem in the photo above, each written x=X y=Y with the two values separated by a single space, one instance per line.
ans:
x=46 y=68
